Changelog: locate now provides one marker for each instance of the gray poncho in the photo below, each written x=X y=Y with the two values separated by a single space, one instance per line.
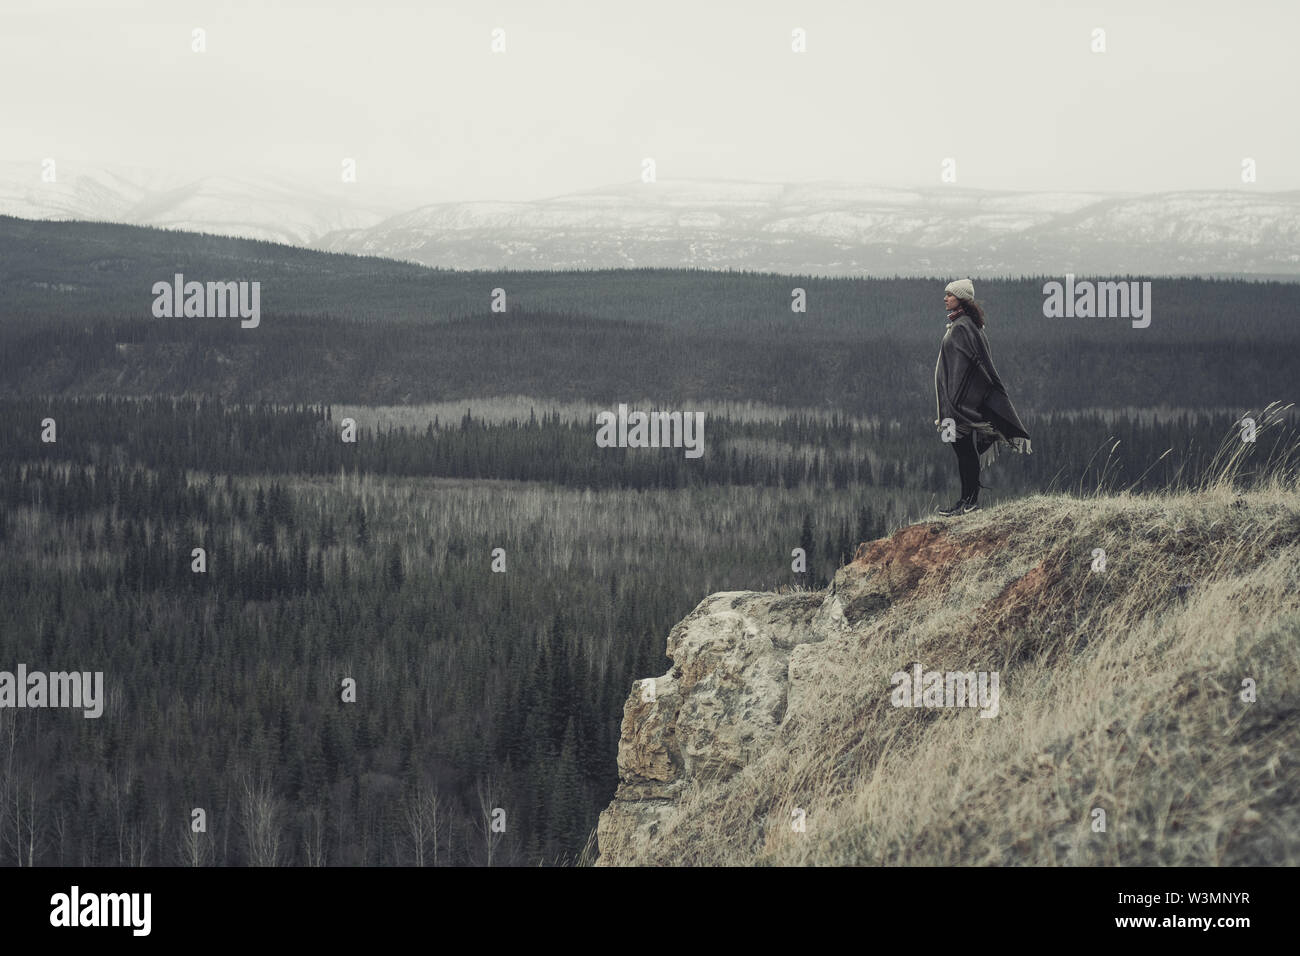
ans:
x=968 y=390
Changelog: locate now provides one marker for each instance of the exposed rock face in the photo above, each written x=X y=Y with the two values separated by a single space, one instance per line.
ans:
x=722 y=703
x=775 y=738
x=718 y=707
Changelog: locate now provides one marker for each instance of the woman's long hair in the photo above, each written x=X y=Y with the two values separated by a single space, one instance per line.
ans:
x=971 y=308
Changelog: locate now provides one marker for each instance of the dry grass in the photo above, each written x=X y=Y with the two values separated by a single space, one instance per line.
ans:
x=1121 y=690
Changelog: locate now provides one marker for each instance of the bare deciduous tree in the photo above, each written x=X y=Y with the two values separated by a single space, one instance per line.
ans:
x=314 y=839
x=196 y=848
x=489 y=798
x=261 y=819
x=421 y=810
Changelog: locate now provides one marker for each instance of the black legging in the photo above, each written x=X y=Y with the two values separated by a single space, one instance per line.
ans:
x=969 y=449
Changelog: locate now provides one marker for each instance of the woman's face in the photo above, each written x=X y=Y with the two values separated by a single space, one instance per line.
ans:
x=949 y=301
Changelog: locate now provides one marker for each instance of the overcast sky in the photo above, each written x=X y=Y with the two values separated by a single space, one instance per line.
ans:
x=708 y=88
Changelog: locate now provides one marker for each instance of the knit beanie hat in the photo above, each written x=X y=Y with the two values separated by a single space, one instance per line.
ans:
x=962 y=289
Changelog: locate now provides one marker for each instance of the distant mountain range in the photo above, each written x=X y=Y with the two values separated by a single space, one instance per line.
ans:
x=271 y=209
x=807 y=228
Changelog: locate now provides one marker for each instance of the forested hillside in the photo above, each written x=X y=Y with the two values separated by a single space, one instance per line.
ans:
x=477 y=685
x=75 y=318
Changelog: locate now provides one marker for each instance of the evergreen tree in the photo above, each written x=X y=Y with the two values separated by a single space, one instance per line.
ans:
x=395 y=575
x=806 y=542
x=363 y=531
x=866 y=524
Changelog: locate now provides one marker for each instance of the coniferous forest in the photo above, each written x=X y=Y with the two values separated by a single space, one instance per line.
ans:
x=349 y=652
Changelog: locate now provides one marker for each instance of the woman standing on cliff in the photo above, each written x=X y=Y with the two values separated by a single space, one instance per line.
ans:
x=969 y=392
